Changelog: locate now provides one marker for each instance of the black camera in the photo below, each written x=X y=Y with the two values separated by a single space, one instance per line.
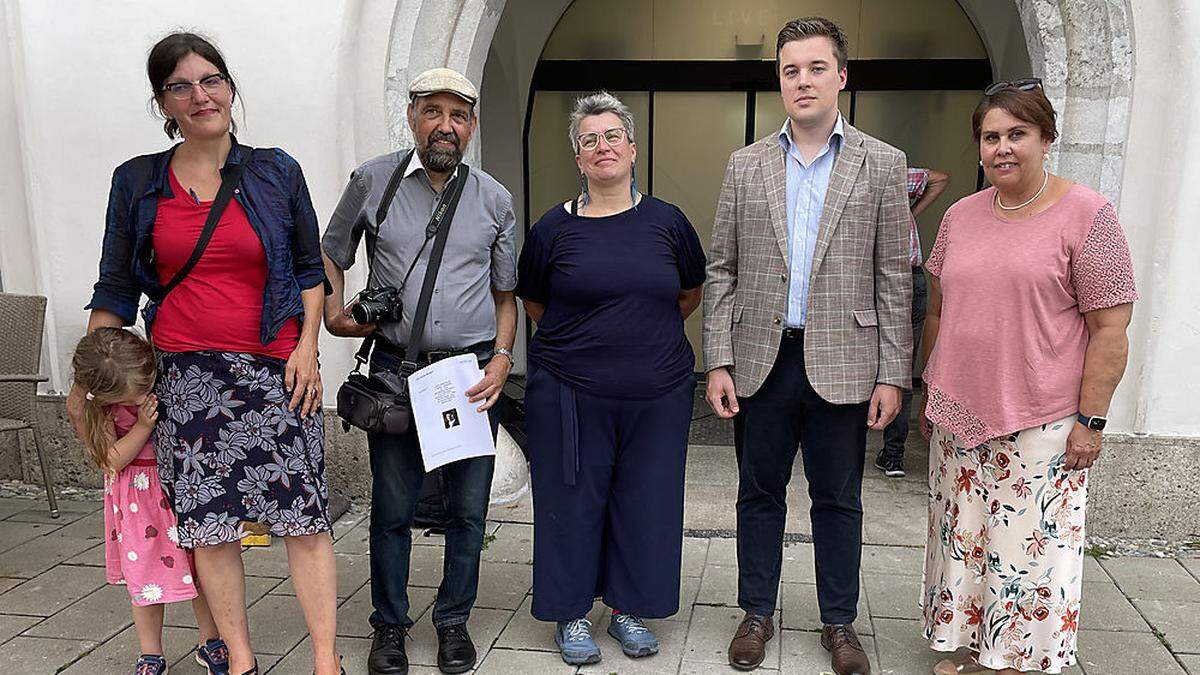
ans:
x=377 y=305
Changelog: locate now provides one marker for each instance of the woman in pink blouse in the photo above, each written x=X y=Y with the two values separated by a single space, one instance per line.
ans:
x=1031 y=294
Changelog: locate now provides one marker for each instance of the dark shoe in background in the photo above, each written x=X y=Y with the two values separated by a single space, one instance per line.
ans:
x=456 y=652
x=387 y=651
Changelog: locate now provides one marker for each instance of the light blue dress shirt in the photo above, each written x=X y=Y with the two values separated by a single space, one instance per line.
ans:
x=806 y=188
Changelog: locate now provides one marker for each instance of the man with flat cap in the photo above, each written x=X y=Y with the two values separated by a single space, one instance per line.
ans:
x=471 y=310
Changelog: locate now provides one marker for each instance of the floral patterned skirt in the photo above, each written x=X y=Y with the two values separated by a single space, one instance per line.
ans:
x=229 y=450
x=1004 y=555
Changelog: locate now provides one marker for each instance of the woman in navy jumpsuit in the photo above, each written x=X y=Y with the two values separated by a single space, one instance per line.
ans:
x=609 y=278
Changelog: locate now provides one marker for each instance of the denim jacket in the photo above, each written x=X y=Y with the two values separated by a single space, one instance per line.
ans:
x=275 y=198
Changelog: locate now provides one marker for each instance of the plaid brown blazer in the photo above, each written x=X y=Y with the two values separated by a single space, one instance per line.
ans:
x=858 y=330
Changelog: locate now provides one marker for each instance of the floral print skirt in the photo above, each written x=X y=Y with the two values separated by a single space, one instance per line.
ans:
x=1004 y=555
x=230 y=451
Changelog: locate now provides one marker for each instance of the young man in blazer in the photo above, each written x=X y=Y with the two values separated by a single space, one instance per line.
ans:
x=807 y=338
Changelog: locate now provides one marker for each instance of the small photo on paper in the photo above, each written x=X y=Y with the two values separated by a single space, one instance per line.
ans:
x=450 y=418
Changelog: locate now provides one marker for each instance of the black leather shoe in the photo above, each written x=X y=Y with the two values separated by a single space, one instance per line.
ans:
x=387 y=651
x=456 y=652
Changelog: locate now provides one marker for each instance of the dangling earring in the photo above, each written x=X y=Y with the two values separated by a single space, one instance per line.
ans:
x=583 y=189
x=1045 y=156
x=981 y=162
x=633 y=191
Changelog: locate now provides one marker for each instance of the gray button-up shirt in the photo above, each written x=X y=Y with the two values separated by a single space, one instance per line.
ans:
x=480 y=251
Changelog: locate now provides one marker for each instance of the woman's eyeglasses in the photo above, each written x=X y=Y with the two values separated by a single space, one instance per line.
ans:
x=213 y=84
x=590 y=140
x=1025 y=84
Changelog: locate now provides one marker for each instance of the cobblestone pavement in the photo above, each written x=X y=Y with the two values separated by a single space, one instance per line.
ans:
x=1140 y=614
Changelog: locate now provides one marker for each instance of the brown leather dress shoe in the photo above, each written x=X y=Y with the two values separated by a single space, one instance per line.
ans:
x=749 y=645
x=848 y=656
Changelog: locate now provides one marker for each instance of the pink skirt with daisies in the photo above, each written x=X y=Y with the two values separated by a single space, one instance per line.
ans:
x=141 y=544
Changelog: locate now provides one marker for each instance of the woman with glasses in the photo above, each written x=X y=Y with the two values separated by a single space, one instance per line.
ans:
x=1031 y=294
x=234 y=320
x=609 y=276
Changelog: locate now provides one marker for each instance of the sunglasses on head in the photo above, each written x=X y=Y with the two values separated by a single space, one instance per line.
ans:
x=1025 y=84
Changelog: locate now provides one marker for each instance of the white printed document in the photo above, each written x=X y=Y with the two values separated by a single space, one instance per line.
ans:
x=448 y=424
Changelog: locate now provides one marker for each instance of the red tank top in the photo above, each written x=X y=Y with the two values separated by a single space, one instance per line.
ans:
x=218 y=306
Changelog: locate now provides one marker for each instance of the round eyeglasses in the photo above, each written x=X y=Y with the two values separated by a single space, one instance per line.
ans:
x=212 y=85
x=590 y=140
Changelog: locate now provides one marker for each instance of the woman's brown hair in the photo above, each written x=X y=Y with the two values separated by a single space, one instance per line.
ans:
x=166 y=54
x=1030 y=106
x=111 y=365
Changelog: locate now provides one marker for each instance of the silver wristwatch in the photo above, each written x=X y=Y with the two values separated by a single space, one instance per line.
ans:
x=505 y=352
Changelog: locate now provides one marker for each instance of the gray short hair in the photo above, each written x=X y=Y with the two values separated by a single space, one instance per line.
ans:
x=597 y=104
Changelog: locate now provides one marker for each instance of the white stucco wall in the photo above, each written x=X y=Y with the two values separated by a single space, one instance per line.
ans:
x=1159 y=207
x=325 y=81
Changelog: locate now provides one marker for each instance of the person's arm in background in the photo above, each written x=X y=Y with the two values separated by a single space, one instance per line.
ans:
x=934 y=187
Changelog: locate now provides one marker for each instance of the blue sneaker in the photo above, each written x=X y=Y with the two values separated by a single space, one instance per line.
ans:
x=574 y=640
x=636 y=640
x=150 y=664
x=214 y=655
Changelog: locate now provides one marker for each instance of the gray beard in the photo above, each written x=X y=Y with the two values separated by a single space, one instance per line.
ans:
x=440 y=161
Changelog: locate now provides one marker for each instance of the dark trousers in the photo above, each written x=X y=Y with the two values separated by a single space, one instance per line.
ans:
x=397 y=472
x=896 y=433
x=617 y=531
x=785 y=413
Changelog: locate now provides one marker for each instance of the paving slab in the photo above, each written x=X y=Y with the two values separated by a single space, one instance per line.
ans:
x=1153 y=578
x=1103 y=653
x=719 y=586
x=51 y=591
x=356 y=540
x=34 y=557
x=525 y=633
x=894 y=597
x=905 y=561
x=513 y=662
x=276 y=624
x=353 y=617
x=798 y=564
x=120 y=653
x=12 y=625
x=484 y=626
x=13 y=534
x=180 y=613
x=1105 y=607
x=503 y=585
x=1191 y=663
x=1178 y=622
x=671 y=639
x=711 y=630
x=44 y=655
x=299 y=661
x=695 y=555
x=41 y=514
x=102 y=614
x=352 y=572
x=801 y=612
x=804 y=655
x=511 y=543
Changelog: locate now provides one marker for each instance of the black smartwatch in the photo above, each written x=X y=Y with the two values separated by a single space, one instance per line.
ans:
x=1096 y=423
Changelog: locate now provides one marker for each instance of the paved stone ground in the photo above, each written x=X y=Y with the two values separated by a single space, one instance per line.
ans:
x=57 y=614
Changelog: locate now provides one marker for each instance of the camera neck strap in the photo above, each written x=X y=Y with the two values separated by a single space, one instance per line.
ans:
x=438 y=229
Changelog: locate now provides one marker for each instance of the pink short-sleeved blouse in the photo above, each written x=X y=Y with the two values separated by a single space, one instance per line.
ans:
x=1012 y=338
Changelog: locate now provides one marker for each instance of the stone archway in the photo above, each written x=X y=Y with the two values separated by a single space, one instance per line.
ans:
x=1082 y=49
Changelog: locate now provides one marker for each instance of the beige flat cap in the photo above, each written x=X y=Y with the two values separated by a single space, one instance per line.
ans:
x=437 y=80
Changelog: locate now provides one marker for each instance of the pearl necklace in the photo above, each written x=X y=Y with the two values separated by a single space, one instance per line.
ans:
x=1045 y=182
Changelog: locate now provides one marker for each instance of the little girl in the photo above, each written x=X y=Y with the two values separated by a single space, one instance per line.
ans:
x=117 y=369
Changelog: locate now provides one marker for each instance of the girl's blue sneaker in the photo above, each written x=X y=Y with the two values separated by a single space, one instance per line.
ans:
x=636 y=640
x=574 y=640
